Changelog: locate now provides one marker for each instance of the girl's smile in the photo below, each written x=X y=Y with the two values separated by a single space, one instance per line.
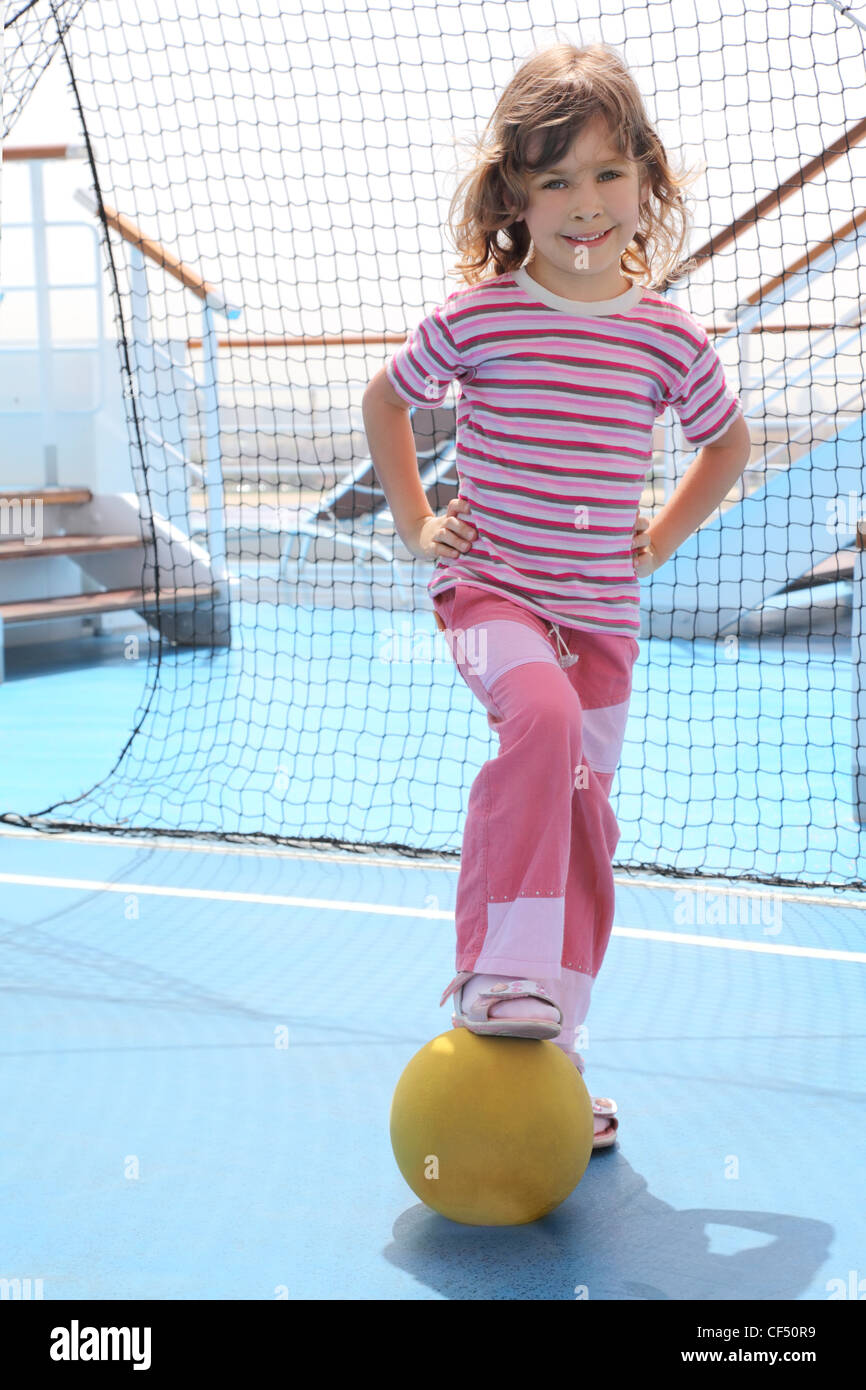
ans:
x=588 y=241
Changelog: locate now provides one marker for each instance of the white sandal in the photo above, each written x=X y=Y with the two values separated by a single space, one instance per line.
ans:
x=477 y=1017
x=602 y=1105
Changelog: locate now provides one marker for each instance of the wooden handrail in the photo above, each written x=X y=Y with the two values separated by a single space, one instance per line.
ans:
x=318 y=340
x=783 y=327
x=376 y=339
x=785 y=190
x=807 y=257
x=15 y=152
x=156 y=252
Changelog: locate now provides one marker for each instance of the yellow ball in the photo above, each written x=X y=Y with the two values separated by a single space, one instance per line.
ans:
x=491 y=1131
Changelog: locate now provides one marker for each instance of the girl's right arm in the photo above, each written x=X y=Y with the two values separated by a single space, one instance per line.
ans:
x=395 y=460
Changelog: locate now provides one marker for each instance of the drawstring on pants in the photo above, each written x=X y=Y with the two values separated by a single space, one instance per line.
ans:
x=566 y=658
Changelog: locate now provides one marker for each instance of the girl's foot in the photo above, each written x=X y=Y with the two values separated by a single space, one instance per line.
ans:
x=509 y=1008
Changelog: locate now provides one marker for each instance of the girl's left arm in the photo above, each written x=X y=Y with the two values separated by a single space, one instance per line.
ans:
x=705 y=483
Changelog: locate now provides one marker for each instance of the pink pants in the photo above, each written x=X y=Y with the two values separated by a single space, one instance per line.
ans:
x=535 y=893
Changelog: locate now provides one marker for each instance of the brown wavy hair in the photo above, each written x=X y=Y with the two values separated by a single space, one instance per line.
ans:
x=556 y=92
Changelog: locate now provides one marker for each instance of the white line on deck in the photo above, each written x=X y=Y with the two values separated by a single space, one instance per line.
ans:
x=387 y=910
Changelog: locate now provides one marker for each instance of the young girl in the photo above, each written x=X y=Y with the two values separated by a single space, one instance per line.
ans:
x=564 y=355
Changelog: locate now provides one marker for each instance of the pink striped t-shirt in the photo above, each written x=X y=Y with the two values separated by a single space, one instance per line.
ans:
x=556 y=401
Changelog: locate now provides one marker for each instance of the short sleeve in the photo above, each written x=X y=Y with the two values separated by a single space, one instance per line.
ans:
x=424 y=367
x=703 y=400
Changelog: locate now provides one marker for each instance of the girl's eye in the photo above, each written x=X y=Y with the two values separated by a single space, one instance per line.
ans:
x=612 y=172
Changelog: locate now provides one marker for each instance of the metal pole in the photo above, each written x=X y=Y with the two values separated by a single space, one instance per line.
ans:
x=47 y=414
x=141 y=346
x=211 y=450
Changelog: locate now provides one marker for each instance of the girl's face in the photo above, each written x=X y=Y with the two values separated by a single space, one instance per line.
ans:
x=592 y=190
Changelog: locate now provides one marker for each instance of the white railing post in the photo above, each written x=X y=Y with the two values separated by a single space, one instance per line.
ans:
x=211 y=447
x=141 y=347
x=48 y=410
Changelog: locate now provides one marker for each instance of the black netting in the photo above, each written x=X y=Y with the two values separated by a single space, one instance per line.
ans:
x=299 y=158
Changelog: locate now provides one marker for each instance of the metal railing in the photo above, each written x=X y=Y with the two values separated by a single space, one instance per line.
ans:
x=146 y=353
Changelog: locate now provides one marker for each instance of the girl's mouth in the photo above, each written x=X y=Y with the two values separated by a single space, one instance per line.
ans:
x=596 y=241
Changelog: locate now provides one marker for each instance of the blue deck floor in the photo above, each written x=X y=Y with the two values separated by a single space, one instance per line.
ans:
x=156 y=1143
